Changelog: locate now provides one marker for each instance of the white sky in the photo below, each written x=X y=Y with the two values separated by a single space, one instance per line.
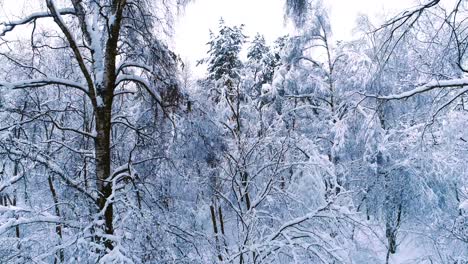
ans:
x=266 y=17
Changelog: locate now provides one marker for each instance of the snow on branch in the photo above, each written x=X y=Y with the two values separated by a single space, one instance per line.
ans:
x=124 y=65
x=53 y=167
x=4 y=227
x=455 y=83
x=9 y=182
x=273 y=241
x=404 y=17
x=41 y=82
x=297 y=221
x=141 y=81
x=10 y=25
x=54 y=11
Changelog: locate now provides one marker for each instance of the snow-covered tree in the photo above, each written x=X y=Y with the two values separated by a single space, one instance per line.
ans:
x=96 y=58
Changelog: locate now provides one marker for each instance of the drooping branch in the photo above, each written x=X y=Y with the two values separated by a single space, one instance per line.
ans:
x=42 y=82
x=404 y=23
x=9 y=182
x=455 y=83
x=52 y=166
x=136 y=79
x=9 y=26
x=26 y=221
x=141 y=66
x=403 y=18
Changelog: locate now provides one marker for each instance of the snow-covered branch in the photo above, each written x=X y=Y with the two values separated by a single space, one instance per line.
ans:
x=454 y=83
x=52 y=166
x=24 y=221
x=139 y=80
x=41 y=82
x=10 y=25
x=127 y=64
x=9 y=182
x=72 y=42
x=298 y=220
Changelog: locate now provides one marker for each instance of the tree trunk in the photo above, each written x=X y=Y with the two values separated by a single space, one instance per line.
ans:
x=59 y=255
x=215 y=231
x=103 y=167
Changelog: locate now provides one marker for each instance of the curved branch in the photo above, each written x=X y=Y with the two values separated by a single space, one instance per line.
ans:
x=41 y=82
x=132 y=64
x=141 y=81
x=454 y=83
x=9 y=26
x=53 y=167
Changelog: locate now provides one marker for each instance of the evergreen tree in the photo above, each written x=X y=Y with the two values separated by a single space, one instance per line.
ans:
x=224 y=64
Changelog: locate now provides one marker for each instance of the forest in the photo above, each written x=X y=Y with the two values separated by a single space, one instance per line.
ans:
x=303 y=150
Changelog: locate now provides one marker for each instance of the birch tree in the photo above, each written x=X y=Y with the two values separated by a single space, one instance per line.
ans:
x=110 y=52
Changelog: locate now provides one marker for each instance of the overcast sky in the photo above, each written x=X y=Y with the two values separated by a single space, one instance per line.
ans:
x=266 y=17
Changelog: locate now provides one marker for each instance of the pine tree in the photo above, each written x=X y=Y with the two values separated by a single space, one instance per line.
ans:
x=261 y=63
x=224 y=64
